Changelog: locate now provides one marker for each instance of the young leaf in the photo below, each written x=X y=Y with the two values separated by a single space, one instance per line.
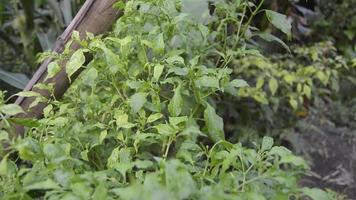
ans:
x=75 y=62
x=279 y=21
x=273 y=85
x=157 y=71
x=52 y=69
x=214 y=124
x=237 y=83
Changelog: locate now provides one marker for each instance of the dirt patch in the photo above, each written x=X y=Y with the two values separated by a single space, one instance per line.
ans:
x=331 y=151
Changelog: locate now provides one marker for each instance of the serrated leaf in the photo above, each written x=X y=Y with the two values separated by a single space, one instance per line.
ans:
x=214 y=124
x=280 y=21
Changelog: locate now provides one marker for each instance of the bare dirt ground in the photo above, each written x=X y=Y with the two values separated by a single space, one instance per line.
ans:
x=331 y=151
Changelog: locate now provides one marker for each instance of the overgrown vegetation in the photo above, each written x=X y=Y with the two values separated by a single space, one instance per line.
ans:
x=154 y=114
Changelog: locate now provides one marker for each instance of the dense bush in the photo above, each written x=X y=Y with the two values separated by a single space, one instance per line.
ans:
x=141 y=121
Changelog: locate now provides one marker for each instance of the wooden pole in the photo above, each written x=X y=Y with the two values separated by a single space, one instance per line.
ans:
x=95 y=16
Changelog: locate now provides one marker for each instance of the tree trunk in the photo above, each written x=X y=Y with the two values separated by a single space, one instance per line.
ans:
x=95 y=16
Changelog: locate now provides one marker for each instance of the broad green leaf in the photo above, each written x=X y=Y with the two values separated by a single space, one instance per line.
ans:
x=113 y=61
x=14 y=79
x=3 y=135
x=52 y=69
x=280 y=21
x=154 y=117
x=237 y=83
x=177 y=120
x=214 y=124
x=102 y=136
x=75 y=62
x=175 y=106
x=267 y=143
x=137 y=101
x=260 y=82
x=3 y=166
x=198 y=9
x=165 y=129
x=307 y=90
x=44 y=185
x=175 y=59
x=273 y=85
x=90 y=77
x=293 y=103
x=11 y=109
x=101 y=192
x=157 y=71
x=270 y=38
x=122 y=121
x=208 y=81
x=316 y=194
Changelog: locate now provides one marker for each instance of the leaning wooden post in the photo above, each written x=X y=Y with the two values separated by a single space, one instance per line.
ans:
x=95 y=16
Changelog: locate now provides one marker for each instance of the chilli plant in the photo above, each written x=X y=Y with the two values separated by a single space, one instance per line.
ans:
x=141 y=120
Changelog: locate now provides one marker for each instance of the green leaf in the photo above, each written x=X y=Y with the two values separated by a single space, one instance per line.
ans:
x=157 y=71
x=316 y=194
x=238 y=83
x=270 y=38
x=154 y=117
x=273 y=85
x=214 y=124
x=11 y=109
x=122 y=121
x=52 y=69
x=27 y=122
x=175 y=106
x=14 y=79
x=293 y=103
x=280 y=21
x=267 y=143
x=75 y=62
x=3 y=166
x=101 y=192
x=177 y=120
x=90 y=77
x=165 y=129
x=28 y=94
x=159 y=44
x=208 y=81
x=44 y=185
x=137 y=101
